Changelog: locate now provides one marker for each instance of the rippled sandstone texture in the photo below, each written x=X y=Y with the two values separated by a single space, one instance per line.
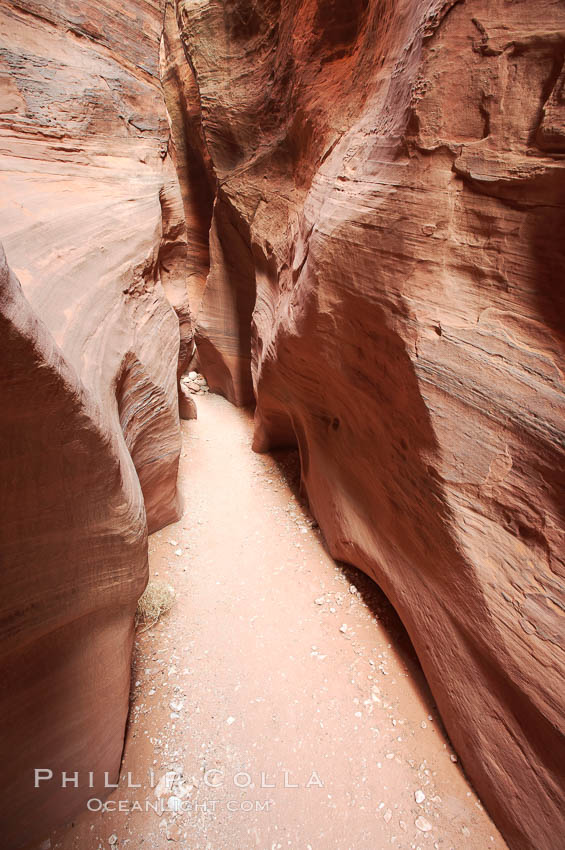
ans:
x=386 y=266
x=92 y=223
x=74 y=562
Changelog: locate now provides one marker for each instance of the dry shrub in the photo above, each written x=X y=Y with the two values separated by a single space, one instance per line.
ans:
x=157 y=599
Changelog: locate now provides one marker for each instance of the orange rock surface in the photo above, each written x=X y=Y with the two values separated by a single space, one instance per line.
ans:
x=363 y=204
x=93 y=216
x=391 y=212
x=93 y=226
x=74 y=562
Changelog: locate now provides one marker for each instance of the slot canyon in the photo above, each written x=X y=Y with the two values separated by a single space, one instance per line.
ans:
x=282 y=323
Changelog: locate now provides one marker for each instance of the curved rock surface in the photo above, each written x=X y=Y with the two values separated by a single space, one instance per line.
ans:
x=73 y=538
x=391 y=214
x=93 y=221
x=93 y=226
x=383 y=182
x=189 y=151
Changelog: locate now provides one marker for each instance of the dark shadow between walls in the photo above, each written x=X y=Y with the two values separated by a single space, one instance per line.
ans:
x=380 y=607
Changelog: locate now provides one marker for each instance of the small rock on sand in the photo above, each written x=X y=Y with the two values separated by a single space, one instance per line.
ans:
x=423 y=824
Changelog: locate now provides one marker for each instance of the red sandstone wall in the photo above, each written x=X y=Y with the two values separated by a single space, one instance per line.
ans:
x=391 y=216
x=73 y=540
x=384 y=182
x=92 y=214
x=92 y=221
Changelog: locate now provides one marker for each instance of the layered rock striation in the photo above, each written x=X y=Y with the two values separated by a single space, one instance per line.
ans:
x=386 y=262
x=364 y=205
x=73 y=538
x=93 y=226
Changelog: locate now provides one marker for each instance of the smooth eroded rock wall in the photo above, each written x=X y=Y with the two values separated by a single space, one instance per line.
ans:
x=391 y=183
x=73 y=542
x=92 y=213
x=92 y=222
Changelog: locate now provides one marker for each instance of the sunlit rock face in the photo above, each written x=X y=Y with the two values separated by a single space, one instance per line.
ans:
x=92 y=214
x=92 y=223
x=386 y=264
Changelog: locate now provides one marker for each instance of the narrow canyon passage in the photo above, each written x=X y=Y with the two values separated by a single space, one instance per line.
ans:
x=274 y=659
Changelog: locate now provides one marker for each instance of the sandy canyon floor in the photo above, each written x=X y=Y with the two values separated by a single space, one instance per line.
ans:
x=279 y=704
